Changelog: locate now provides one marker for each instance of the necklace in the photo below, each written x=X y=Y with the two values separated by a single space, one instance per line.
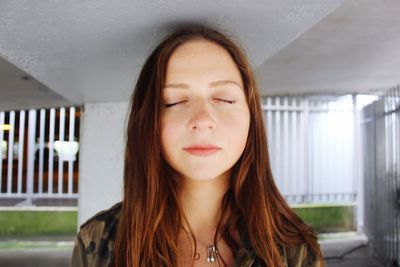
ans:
x=212 y=251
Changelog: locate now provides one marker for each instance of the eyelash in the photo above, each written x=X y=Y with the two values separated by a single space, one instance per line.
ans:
x=219 y=99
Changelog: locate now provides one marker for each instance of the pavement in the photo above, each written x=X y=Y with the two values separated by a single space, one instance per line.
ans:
x=339 y=251
x=353 y=250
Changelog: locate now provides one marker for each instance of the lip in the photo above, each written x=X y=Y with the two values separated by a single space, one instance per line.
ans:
x=202 y=150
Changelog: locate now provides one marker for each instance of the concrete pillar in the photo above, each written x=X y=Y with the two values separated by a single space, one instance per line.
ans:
x=101 y=157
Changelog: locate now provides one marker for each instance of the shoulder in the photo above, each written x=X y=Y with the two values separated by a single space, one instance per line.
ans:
x=95 y=239
x=100 y=225
x=301 y=256
x=106 y=215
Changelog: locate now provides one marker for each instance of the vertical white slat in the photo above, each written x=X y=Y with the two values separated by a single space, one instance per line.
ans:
x=312 y=141
x=396 y=167
x=349 y=139
x=302 y=145
x=320 y=149
x=324 y=155
x=31 y=154
x=397 y=170
x=269 y=119
x=337 y=137
x=386 y=187
x=328 y=152
x=346 y=143
x=285 y=155
x=385 y=217
x=51 y=150
x=295 y=179
x=314 y=144
x=1 y=149
x=71 y=139
x=328 y=187
x=20 y=149
x=397 y=94
x=60 y=159
x=392 y=167
x=317 y=146
x=270 y=131
x=278 y=144
x=306 y=149
x=394 y=163
x=394 y=140
x=339 y=119
x=41 y=149
x=334 y=146
x=338 y=124
x=10 y=152
x=361 y=184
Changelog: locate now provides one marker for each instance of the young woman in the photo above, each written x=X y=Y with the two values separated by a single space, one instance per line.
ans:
x=198 y=186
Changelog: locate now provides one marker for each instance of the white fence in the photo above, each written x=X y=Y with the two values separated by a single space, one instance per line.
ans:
x=312 y=147
x=381 y=135
x=312 y=144
x=35 y=151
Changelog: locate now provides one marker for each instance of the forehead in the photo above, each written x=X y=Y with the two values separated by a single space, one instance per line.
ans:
x=201 y=60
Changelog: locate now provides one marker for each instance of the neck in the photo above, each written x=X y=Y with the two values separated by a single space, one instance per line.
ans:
x=201 y=203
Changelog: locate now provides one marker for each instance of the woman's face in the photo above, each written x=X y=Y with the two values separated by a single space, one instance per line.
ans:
x=204 y=104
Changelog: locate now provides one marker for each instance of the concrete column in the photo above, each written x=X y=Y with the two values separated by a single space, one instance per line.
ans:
x=101 y=157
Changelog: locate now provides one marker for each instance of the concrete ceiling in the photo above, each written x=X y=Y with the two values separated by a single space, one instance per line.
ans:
x=79 y=52
x=354 y=49
x=19 y=90
x=92 y=51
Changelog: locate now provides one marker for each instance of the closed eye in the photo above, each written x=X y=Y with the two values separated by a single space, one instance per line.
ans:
x=227 y=101
x=173 y=104
x=218 y=99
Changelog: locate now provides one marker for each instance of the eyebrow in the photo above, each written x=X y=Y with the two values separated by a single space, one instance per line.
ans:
x=213 y=84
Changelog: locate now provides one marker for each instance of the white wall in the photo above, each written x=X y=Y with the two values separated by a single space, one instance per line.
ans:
x=101 y=157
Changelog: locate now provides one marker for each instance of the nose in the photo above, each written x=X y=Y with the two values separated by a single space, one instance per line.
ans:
x=201 y=118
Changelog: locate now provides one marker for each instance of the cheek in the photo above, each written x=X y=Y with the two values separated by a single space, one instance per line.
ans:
x=238 y=130
x=169 y=132
x=238 y=127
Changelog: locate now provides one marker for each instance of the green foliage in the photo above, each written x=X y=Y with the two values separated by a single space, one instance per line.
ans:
x=328 y=219
x=30 y=223
x=323 y=219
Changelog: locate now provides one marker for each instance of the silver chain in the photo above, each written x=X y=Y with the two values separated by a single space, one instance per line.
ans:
x=212 y=251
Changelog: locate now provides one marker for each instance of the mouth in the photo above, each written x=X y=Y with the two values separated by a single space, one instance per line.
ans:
x=202 y=150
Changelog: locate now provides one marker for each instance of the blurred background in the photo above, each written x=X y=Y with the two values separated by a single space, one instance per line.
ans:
x=328 y=72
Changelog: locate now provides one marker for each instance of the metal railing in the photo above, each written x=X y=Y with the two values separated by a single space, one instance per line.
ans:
x=381 y=146
x=311 y=149
x=311 y=146
x=37 y=159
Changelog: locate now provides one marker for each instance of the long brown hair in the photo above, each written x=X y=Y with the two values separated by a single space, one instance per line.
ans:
x=151 y=215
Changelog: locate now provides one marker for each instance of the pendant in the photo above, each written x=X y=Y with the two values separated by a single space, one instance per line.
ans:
x=212 y=254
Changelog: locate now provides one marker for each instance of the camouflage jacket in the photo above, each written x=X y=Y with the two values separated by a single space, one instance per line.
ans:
x=95 y=239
